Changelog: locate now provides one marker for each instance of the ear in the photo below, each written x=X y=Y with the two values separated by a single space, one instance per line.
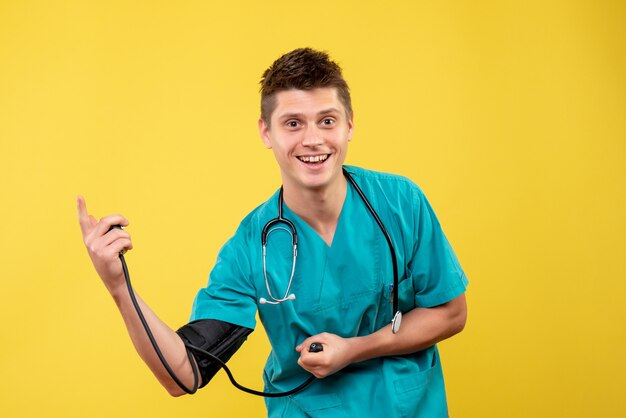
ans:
x=264 y=133
x=350 y=127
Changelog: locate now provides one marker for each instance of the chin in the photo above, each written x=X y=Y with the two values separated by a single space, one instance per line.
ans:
x=317 y=182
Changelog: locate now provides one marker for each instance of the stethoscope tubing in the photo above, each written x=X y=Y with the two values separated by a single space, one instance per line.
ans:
x=292 y=230
x=392 y=250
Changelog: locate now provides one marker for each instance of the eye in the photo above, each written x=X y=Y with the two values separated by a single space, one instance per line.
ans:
x=292 y=124
x=328 y=121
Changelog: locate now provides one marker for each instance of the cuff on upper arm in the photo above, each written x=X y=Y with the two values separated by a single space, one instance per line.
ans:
x=221 y=339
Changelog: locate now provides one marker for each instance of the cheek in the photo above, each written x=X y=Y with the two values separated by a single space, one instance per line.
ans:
x=287 y=143
x=281 y=151
x=341 y=140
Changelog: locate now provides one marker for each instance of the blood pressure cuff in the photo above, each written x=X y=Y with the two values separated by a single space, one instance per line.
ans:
x=219 y=338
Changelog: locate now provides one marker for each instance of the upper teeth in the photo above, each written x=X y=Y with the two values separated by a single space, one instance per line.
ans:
x=313 y=158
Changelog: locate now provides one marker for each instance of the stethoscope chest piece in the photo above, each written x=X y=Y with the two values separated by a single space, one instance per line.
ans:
x=396 y=322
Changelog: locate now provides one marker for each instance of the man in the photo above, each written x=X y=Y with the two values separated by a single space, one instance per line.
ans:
x=340 y=291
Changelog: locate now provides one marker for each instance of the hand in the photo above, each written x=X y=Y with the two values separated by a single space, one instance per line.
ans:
x=103 y=245
x=336 y=355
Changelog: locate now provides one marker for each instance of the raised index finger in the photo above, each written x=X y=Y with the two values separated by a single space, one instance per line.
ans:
x=83 y=217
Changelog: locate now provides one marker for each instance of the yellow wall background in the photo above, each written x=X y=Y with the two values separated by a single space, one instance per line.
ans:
x=510 y=115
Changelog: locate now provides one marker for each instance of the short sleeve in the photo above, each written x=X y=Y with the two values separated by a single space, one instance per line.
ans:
x=437 y=275
x=229 y=295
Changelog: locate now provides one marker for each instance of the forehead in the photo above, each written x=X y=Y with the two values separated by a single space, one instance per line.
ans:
x=307 y=102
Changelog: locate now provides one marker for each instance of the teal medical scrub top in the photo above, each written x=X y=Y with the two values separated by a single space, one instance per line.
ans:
x=344 y=289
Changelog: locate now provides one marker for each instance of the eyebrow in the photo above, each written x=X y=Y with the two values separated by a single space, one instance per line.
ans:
x=320 y=113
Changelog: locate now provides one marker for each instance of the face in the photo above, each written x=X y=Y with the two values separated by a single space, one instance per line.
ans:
x=309 y=135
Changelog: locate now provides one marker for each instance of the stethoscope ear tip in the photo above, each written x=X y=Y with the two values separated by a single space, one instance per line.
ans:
x=291 y=297
x=262 y=301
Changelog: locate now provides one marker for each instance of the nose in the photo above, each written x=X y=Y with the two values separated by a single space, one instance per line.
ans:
x=312 y=136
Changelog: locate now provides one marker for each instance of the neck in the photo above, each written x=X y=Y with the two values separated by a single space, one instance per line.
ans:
x=320 y=208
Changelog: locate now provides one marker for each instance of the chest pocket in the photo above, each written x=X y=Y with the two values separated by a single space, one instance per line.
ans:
x=353 y=278
x=352 y=271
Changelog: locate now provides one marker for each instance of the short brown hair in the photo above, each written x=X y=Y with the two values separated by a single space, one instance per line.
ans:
x=301 y=69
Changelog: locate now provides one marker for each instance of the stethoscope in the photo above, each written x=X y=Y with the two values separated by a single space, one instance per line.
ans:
x=282 y=223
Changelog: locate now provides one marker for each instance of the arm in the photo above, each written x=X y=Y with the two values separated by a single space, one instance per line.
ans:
x=421 y=328
x=103 y=247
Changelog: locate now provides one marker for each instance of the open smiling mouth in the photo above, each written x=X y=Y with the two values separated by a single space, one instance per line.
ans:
x=314 y=159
